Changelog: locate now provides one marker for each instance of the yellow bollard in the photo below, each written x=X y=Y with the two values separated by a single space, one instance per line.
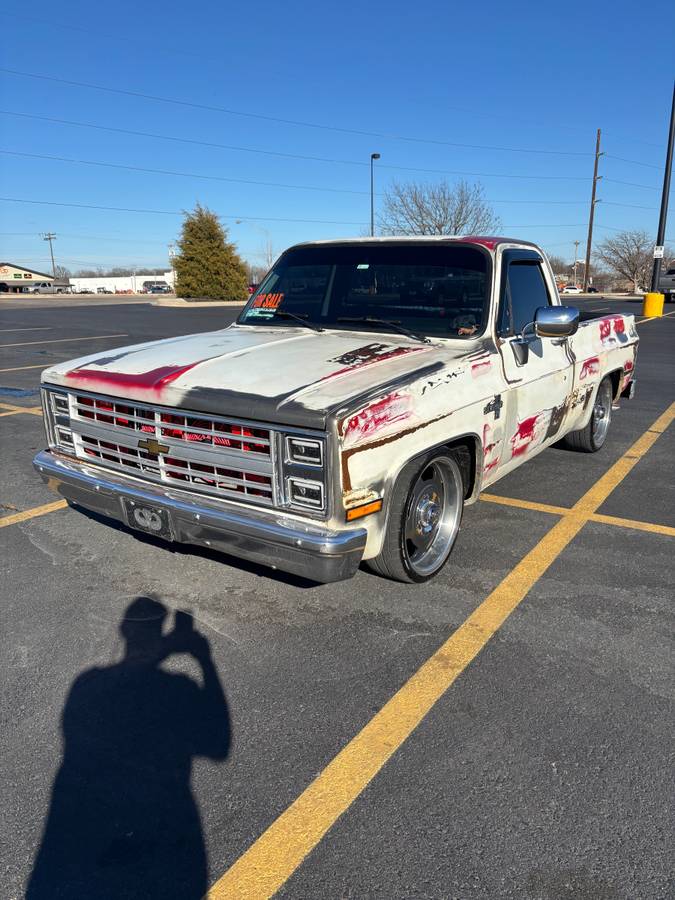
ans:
x=653 y=305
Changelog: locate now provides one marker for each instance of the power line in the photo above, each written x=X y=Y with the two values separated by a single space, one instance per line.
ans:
x=110 y=165
x=259 y=116
x=90 y=162
x=633 y=162
x=167 y=212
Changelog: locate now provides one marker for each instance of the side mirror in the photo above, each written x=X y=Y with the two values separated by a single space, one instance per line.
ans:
x=556 y=321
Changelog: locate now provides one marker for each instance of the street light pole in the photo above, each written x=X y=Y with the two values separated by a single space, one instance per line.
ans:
x=663 y=215
x=373 y=157
x=576 y=251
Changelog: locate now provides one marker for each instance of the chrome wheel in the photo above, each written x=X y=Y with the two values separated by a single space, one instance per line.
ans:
x=433 y=514
x=602 y=413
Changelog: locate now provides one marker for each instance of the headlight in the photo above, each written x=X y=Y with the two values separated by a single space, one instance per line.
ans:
x=304 y=451
x=56 y=408
x=302 y=492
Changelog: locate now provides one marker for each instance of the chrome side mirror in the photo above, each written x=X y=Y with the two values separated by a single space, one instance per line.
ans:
x=556 y=321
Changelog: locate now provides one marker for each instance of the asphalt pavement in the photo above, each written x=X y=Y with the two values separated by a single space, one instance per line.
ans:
x=545 y=770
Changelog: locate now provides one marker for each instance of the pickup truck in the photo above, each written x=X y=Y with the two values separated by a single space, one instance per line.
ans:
x=667 y=283
x=368 y=391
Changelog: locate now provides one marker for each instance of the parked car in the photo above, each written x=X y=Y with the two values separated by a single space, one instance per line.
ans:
x=147 y=286
x=85 y=291
x=572 y=289
x=591 y=290
x=103 y=290
x=160 y=289
x=667 y=284
x=346 y=421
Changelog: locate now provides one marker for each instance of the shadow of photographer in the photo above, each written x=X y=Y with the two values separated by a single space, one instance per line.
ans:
x=123 y=821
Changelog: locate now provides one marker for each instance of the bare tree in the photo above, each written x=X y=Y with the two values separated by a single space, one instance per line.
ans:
x=62 y=272
x=558 y=264
x=629 y=254
x=438 y=208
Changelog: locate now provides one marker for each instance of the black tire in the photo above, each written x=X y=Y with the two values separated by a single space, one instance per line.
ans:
x=395 y=560
x=591 y=438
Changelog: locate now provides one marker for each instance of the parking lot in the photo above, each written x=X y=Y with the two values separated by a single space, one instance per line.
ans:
x=502 y=731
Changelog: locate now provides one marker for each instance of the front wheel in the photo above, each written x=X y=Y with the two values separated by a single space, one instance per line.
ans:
x=424 y=518
x=591 y=438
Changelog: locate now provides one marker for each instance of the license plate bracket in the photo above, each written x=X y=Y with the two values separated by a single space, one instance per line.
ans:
x=148 y=518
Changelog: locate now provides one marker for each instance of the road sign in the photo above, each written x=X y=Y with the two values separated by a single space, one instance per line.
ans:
x=658 y=252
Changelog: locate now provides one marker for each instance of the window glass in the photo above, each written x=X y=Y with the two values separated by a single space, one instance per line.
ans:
x=525 y=292
x=440 y=290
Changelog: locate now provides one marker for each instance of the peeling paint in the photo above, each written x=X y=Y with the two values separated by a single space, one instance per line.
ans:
x=394 y=407
x=368 y=356
x=589 y=366
x=529 y=433
x=154 y=380
x=481 y=368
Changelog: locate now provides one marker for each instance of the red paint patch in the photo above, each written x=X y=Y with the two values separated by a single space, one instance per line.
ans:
x=611 y=322
x=628 y=366
x=154 y=380
x=481 y=368
x=393 y=408
x=589 y=367
x=524 y=436
x=489 y=448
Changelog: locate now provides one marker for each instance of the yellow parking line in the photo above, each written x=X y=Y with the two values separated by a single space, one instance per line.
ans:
x=655 y=318
x=525 y=504
x=15 y=518
x=596 y=517
x=93 y=337
x=277 y=853
x=633 y=523
x=13 y=410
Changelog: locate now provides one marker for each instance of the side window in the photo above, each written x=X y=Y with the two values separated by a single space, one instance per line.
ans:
x=525 y=292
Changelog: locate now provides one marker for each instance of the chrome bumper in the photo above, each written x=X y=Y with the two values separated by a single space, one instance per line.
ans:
x=262 y=536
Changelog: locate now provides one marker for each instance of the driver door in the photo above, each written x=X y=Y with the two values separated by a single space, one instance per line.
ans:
x=538 y=370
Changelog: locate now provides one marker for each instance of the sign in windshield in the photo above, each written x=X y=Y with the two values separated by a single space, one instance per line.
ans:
x=439 y=290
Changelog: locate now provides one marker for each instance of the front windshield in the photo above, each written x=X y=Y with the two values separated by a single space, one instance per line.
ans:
x=439 y=290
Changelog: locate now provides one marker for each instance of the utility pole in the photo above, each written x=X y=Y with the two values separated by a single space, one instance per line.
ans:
x=576 y=253
x=49 y=236
x=661 y=236
x=589 y=242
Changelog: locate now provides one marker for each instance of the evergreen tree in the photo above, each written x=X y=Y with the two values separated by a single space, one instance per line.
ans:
x=207 y=264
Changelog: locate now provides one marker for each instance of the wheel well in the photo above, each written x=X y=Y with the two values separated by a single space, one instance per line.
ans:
x=615 y=377
x=467 y=452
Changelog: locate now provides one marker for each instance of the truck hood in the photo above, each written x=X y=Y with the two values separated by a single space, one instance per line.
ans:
x=280 y=375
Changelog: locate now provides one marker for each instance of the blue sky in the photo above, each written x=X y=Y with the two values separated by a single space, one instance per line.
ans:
x=523 y=76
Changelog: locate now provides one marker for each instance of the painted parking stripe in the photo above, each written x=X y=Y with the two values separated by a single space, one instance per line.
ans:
x=43 y=365
x=619 y=521
x=277 y=853
x=93 y=337
x=655 y=318
x=42 y=328
x=15 y=410
x=33 y=513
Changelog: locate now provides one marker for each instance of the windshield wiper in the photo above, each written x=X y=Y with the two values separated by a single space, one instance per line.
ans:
x=370 y=320
x=302 y=319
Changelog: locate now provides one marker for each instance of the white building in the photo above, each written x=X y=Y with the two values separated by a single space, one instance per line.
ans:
x=119 y=283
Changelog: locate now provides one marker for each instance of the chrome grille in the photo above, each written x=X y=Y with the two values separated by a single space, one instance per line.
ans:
x=209 y=454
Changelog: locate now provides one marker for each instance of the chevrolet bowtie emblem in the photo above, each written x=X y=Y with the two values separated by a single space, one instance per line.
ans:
x=152 y=446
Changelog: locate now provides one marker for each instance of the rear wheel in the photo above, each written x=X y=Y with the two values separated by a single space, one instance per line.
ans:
x=591 y=438
x=424 y=518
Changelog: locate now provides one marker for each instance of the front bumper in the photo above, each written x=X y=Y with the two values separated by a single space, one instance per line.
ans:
x=267 y=537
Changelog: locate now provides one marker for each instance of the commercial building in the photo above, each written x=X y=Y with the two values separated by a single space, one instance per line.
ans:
x=14 y=279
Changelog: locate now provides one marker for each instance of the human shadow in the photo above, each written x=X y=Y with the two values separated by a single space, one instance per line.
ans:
x=123 y=822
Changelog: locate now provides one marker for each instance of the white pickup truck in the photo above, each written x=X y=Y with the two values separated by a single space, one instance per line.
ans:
x=368 y=391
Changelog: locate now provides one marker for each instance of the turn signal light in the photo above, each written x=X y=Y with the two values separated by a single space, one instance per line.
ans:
x=359 y=511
